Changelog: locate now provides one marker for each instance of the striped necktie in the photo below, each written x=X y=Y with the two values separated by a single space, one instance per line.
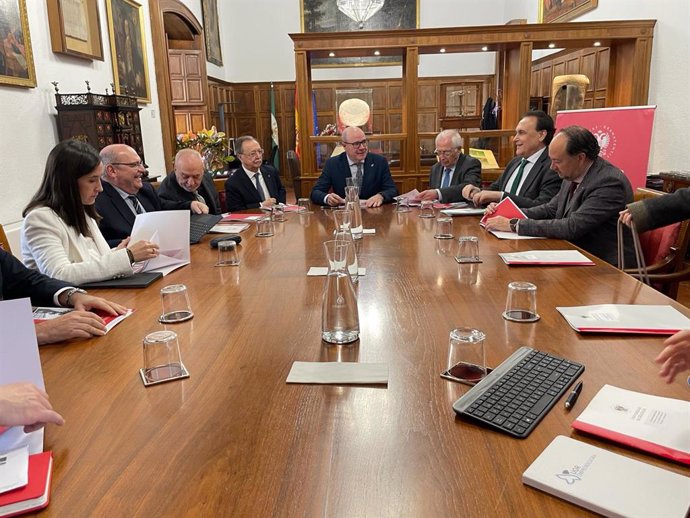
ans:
x=135 y=203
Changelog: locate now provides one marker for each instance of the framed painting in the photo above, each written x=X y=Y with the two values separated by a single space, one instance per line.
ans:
x=16 y=58
x=75 y=28
x=332 y=16
x=128 y=48
x=209 y=11
x=556 y=11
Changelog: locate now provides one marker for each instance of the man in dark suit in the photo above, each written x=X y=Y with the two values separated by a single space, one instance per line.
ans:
x=453 y=171
x=585 y=210
x=189 y=187
x=528 y=179
x=18 y=281
x=124 y=193
x=254 y=184
x=369 y=170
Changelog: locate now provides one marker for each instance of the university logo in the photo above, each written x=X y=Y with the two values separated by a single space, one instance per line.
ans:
x=607 y=140
x=569 y=477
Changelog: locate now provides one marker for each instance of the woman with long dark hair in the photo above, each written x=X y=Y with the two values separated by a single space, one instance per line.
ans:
x=60 y=235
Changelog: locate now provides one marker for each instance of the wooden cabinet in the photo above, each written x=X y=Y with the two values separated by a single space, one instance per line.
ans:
x=186 y=80
x=100 y=120
x=189 y=120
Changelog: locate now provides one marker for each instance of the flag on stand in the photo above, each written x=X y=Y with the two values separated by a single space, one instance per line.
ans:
x=297 y=150
x=275 y=143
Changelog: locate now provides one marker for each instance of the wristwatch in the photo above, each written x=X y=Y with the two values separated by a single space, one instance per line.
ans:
x=513 y=224
x=70 y=292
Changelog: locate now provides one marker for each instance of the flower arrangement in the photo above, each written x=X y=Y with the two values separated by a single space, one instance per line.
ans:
x=211 y=144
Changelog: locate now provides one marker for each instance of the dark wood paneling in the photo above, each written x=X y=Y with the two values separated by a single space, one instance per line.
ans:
x=427 y=96
x=395 y=96
x=244 y=97
x=602 y=75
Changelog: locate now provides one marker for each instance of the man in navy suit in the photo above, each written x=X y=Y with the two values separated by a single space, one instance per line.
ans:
x=124 y=193
x=189 y=187
x=253 y=185
x=453 y=171
x=528 y=179
x=370 y=170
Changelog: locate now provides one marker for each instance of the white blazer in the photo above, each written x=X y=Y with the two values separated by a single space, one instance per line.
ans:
x=49 y=245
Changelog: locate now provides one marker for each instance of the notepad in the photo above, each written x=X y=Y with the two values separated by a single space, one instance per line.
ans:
x=607 y=483
x=505 y=208
x=625 y=318
x=41 y=314
x=36 y=494
x=547 y=257
x=338 y=373
x=655 y=424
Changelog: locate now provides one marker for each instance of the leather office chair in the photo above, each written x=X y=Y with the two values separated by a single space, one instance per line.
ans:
x=4 y=242
x=294 y=171
x=664 y=252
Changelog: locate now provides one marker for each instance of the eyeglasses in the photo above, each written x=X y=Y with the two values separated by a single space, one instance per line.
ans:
x=256 y=152
x=358 y=144
x=445 y=152
x=133 y=165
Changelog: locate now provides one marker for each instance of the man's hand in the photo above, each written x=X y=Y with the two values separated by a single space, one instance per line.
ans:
x=490 y=209
x=484 y=197
x=625 y=217
x=25 y=404
x=334 y=200
x=428 y=195
x=469 y=191
x=86 y=302
x=268 y=203
x=198 y=208
x=675 y=358
x=75 y=324
x=123 y=243
x=375 y=201
x=498 y=223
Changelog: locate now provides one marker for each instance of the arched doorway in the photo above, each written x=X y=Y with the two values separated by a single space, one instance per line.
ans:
x=180 y=63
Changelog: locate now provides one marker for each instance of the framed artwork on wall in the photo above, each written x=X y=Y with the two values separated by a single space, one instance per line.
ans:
x=349 y=16
x=16 y=57
x=128 y=48
x=75 y=28
x=209 y=11
x=551 y=11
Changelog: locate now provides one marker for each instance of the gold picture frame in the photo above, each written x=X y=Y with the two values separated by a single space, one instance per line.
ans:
x=324 y=16
x=557 y=11
x=16 y=56
x=75 y=28
x=128 y=49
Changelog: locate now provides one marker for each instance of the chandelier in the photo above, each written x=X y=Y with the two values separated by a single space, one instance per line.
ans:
x=360 y=10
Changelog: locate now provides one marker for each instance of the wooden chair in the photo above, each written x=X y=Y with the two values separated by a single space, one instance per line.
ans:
x=664 y=252
x=294 y=171
x=4 y=242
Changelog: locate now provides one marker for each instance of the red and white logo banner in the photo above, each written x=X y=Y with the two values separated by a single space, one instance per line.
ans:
x=624 y=136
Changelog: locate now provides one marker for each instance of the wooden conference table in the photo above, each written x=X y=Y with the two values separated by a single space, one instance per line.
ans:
x=235 y=440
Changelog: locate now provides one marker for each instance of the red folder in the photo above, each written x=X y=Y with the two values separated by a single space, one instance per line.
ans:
x=36 y=494
x=505 y=208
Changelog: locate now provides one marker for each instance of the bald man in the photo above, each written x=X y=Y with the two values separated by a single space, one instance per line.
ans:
x=189 y=186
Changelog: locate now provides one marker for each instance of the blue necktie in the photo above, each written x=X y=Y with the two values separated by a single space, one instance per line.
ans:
x=446 y=178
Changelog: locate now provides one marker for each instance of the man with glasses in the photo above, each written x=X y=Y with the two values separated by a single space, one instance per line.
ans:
x=528 y=179
x=453 y=171
x=369 y=170
x=189 y=187
x=255 y=185
x=124 y=194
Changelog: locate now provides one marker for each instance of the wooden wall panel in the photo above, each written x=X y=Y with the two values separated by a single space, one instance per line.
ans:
x=395 y=96
x=602 y=73
x=588 y=67
x=427 y=96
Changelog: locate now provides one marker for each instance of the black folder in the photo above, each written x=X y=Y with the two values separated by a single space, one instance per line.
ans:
x=138 y=280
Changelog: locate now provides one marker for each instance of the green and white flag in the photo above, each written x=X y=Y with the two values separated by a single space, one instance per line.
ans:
x=275 y=146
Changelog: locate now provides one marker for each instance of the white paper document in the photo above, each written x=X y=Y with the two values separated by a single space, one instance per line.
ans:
x=511 y=235
x=625 y=318
x=655 y=424
x=547 y=257
x=169 y=229
x=608 y=483
x=19 y=361
x=320 y=271
x=338 y=373
x=370 y=231
x=14 y=469
x=464 y=211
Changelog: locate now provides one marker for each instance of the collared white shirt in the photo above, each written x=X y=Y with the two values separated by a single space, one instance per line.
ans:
x=251 y=175
x=128 y=201
x=531 y=160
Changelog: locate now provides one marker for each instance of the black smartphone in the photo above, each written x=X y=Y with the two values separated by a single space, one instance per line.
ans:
x=467 y=373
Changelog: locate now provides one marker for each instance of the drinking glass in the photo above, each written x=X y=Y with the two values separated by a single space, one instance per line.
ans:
x=466 y=354
x=227 y=254
x=426 y=209
x=162 y=360
x=264 y=227
x=468 y=250
x=521 y=303
x=175 y=302
x=304 y=206
x=444 y=228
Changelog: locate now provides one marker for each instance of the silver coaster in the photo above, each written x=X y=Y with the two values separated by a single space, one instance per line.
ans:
x=521 y=316
x=184 y=373
x=176 y=317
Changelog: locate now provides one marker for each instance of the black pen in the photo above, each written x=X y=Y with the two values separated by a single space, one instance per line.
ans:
x=572 y=397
